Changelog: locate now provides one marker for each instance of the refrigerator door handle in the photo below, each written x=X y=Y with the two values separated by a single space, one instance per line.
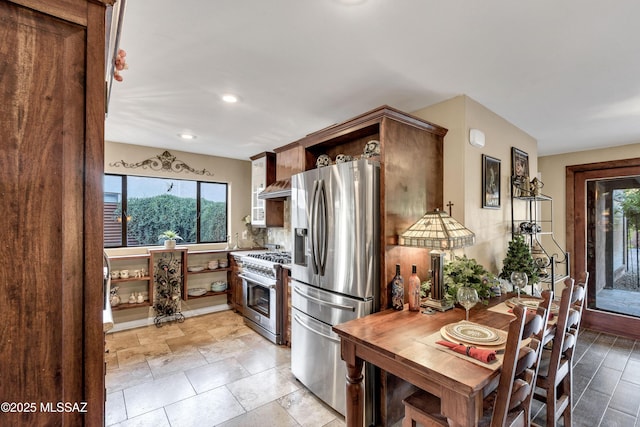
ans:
x=323 y=302
x=310 y=329
x=323 y=243
x=313 y=221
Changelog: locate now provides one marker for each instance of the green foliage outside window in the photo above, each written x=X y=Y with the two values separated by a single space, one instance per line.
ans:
x=151 y=216
x=154 y=205
x=213 y=221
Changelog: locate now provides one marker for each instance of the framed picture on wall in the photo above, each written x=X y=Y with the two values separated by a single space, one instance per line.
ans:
x=519 y=163
x=490 y=182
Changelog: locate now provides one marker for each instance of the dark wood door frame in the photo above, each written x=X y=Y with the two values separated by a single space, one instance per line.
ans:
x=576 y=231
x=51 y=172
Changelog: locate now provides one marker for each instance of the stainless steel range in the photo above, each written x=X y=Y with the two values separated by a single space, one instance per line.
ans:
x=262 y=290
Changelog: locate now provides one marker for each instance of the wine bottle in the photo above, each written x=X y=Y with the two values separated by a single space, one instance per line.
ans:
x=414 y=290
x=397 y=290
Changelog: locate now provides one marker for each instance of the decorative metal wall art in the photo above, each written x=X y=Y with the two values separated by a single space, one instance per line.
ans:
x=163 y=162
x=168 y=281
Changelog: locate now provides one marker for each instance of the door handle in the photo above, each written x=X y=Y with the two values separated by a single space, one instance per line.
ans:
x=322 y=243
x=249 y=279
x=323 y=302
x=310 y=329
x=314 y=228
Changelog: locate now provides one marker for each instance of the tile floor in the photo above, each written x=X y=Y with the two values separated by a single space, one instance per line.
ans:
x=606 y=381
x=212 y=370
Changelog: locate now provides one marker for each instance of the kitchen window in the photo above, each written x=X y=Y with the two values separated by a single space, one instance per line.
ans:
x=138 y=209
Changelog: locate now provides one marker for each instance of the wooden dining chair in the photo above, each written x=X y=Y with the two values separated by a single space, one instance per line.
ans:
x=582 y=280
x=510 y=404
x=555 y=376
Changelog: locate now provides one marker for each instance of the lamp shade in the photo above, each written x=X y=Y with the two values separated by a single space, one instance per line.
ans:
x=437 y=230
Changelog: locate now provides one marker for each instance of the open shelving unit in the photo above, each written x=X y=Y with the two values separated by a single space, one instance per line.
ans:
x=534 y=220
x=134 y=283
x=146 y=284
x=201 y=258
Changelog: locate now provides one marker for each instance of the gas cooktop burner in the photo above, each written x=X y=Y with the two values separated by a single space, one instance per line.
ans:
x=275 y=257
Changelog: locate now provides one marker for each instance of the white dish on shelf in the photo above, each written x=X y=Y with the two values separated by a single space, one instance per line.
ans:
x=195 y=269
x=196 y=292
x=218 y=286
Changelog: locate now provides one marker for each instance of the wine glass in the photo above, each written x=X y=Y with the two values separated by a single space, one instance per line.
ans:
x=467 y=297
x=519 y=281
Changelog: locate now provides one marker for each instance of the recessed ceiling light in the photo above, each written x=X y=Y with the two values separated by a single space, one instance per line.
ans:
x=186 y=136
x=230 y=98
x=351 y=2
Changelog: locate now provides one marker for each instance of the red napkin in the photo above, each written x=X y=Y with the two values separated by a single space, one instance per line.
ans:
x=480 y=354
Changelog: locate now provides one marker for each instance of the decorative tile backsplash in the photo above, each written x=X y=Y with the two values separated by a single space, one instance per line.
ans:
x=282 y=235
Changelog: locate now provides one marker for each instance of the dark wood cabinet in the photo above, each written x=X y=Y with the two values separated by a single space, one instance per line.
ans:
x=292 y=159
x=411 y=177
x=234 y=298
x=284 y=278
x=51 y=170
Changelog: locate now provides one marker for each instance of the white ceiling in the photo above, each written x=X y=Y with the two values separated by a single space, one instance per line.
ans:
x=566 y=72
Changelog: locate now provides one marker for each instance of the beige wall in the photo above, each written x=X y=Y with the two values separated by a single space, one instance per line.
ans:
x=463 y=172
x=236 y=173
x=553 y=169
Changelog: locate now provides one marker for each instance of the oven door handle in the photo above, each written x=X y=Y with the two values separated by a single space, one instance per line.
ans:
x=249 y=279
x=310 y=329
x=323 y=302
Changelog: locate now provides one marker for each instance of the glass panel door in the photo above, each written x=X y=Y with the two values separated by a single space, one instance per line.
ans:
x=613 y=241
x=258 y=184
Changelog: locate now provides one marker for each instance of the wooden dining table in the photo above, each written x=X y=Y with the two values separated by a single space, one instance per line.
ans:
x=394 y=341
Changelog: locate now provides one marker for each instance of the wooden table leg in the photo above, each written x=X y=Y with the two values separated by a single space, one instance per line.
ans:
x=459 y=409
x=354 y=416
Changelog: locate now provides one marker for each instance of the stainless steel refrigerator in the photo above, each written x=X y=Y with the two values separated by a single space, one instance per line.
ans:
x=335 y=215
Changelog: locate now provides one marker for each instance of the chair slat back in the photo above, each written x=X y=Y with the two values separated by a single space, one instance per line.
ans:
x=575 y=316
x=579 y=299
x=519 y=365
x=562 y=327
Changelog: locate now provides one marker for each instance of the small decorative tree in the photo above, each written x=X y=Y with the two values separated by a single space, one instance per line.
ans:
x=519 y=259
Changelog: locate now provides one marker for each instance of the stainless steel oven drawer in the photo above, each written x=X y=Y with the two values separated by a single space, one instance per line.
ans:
x=315 y=359
x=327 y=306
x=316 y=363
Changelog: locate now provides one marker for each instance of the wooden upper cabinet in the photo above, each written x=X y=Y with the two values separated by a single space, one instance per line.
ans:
x=52 y=144
x=411 y=176
x=292 y=159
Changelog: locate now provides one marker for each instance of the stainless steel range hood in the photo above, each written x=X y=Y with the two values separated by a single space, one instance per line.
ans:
x=277 y=190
